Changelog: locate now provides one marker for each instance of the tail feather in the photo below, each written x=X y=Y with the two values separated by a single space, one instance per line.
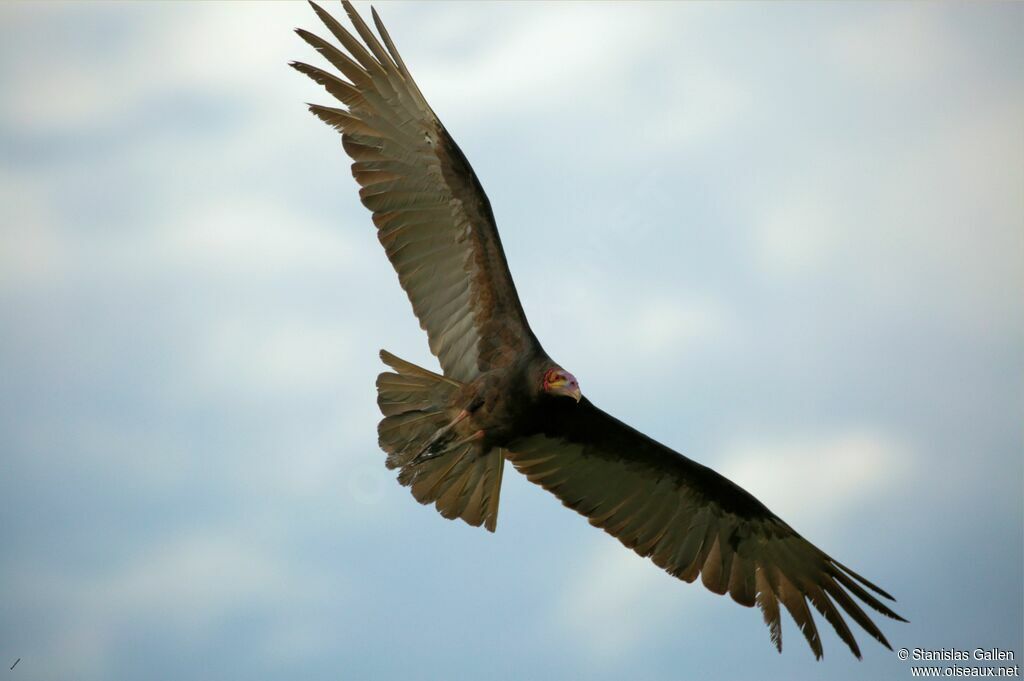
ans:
x=459 y=478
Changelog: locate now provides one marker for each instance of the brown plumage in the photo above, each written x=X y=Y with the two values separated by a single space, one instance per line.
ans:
x=501 y=396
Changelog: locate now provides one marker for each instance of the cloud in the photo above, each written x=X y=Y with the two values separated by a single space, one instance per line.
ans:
x=895 y=223
x=33 y=252
x=679 y=325
x=250 y=236
x=818 y=480
x=622 y=319
x=614 y=602
x=232 y=237
x=602 y=58
x=798 y=234
x=188 y=586
x=264 y=356
x=216 y=49
x=897 y=45
x=605 y=39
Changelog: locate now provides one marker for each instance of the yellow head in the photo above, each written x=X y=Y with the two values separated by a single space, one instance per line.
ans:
x=558 y=381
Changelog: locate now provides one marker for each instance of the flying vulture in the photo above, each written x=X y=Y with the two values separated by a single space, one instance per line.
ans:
x=501 y=397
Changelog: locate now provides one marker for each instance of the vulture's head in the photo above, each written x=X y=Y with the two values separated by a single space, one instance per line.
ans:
x=559 y=382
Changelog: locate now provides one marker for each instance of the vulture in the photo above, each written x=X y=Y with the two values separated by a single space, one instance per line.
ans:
x=501 y=397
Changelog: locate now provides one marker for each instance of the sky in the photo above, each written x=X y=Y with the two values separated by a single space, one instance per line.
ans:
x=784 y=239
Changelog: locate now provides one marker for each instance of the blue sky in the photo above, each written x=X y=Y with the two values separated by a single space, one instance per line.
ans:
x=784 y=239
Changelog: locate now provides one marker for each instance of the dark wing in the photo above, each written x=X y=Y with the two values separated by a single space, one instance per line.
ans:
x=691 y=521
x=431 y=213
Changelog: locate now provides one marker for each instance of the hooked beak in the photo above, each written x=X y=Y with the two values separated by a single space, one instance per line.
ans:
x=566 y=390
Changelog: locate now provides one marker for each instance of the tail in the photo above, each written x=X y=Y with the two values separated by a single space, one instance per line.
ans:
x=419 y=435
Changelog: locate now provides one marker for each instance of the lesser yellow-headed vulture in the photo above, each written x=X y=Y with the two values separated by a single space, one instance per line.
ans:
x=501 y=397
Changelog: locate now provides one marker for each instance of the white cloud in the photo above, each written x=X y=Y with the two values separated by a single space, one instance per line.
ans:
x=543 y=56
x=798 y=233
x=614 y=602
x=31 y=249
x=273 y=356
x=217 y=48
x=702 y=102
x=934 y=224
x=68 y=94
x=815 y=481
x=234 y=46
x=250 y=235
x=193 y=581
x=643 y=67
x=676 y=326
x=612 y=319
x=898 y=44
x=190 y=584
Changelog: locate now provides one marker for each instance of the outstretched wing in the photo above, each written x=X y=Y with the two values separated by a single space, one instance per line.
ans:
x=692 y=521
x=431 y=213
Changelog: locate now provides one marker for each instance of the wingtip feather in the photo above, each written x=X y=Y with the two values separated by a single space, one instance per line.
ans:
x=874 y=587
